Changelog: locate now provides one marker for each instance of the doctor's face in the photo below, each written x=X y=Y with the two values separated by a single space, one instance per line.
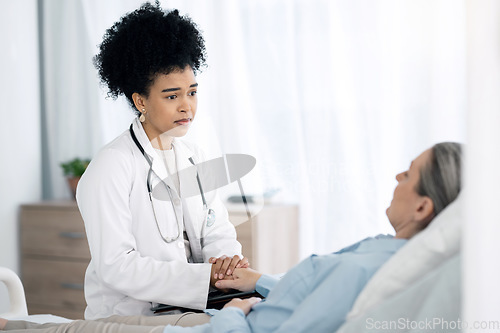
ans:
x=171 y=104
x=406 y=202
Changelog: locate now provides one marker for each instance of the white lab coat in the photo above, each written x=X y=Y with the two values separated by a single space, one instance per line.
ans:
x=131 y=265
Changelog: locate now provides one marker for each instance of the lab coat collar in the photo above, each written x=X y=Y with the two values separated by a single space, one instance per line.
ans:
x=181 y=150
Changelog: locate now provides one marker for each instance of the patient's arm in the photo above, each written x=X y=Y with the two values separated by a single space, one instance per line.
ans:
x=244 y=279
x=322 y=308
x=233 y=317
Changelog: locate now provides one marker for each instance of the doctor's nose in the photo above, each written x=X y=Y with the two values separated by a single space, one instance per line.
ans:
x=185 y=107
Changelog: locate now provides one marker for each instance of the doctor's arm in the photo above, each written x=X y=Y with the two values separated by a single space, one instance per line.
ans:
x=104 y=198
x=219 y=239
x=220 y=246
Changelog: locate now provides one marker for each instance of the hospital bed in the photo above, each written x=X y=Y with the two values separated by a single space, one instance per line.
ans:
x=420 y=282
x=419 y=288
x=18 y=308
x=17 y=298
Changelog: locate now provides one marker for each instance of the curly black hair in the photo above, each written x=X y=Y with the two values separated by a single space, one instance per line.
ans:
x=144 y=43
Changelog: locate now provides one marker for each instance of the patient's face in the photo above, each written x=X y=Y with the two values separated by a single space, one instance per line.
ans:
x=405 y=201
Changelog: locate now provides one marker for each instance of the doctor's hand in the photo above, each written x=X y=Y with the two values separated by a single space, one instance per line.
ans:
x=244 y=279
x=243 y=304
x=214 y=277
x=224 y=266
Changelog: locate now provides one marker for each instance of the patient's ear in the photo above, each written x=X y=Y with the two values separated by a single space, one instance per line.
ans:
x=425 y=211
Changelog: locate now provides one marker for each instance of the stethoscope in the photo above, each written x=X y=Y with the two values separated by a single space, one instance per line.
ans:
x=209 y=213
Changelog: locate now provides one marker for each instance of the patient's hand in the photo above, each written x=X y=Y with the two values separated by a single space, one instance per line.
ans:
x=243 y=304
x=244 y=279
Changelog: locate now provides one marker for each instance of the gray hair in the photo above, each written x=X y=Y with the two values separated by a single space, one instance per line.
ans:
x=441 y=177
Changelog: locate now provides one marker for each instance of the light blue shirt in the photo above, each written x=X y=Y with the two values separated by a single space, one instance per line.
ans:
x=314 y=296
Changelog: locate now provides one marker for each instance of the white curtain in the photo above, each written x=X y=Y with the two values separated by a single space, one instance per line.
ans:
x=20 y=174
x=333 y=98
x=70 y=99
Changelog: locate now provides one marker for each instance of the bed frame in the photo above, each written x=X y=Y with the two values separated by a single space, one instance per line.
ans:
x=18 y=307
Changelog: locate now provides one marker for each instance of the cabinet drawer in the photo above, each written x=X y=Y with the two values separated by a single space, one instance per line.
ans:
x=53 y=233
x=54 y=283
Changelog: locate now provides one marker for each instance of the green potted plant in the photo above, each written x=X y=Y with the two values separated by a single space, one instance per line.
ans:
x=73 y=170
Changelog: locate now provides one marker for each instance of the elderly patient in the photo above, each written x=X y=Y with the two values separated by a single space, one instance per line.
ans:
x=317 y=294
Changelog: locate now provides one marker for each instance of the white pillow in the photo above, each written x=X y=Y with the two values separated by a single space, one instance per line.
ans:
x=433 y=300
x=424 y=252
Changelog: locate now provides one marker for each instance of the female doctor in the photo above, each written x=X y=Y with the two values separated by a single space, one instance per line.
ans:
x=148 y=248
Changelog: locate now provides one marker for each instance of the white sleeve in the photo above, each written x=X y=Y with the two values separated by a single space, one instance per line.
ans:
x=220 y=238
x=103 y=198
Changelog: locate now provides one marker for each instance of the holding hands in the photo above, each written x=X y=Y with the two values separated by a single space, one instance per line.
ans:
x=243 y=279
x=233 y=273
x=223 y=267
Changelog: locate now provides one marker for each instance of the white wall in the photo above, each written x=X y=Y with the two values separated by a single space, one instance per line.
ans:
x=20 y=161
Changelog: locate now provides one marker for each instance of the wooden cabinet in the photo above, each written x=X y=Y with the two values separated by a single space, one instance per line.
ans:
x=54 y=257
x=270 y=238
x=55 y=253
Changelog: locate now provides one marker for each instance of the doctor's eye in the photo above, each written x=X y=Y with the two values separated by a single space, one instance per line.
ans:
x=172 y=97
x=193 y=93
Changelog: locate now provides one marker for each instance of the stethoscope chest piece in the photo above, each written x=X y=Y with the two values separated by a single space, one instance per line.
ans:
x=210 y=217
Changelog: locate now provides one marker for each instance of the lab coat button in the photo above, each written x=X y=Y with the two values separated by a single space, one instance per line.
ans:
x=180 y=244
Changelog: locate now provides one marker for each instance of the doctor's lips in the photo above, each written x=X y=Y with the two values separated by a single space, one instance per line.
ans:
x=184 y=121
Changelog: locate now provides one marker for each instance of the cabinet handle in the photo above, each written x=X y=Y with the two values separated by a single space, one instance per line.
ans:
x=72 y=235
x=74 y=286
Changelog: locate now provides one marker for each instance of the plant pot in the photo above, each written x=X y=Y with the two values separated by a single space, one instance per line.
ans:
x=73 y=183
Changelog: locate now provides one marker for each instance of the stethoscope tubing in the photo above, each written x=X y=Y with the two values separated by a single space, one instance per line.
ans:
x=150 y=189
x=205 y=206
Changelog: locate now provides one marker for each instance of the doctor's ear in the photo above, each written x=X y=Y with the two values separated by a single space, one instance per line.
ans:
x=139 y=101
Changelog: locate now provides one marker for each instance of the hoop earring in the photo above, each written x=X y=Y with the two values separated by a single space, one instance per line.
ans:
x=142 y=118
